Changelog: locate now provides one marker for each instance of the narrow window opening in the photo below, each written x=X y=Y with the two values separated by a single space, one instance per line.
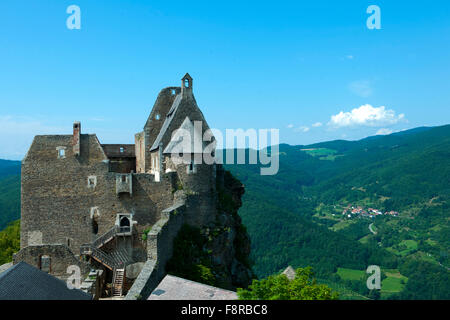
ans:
x=186 y=83
x=191 y=167
x=124 y=178
x=44 y=263
x=121 y=149
x=61 y=153
x=94 y=226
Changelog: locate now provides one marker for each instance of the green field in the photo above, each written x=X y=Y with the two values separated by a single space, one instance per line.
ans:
x=351 y=274
x=342 y=225
x=365 y=239
x=393 y=283
x=404 y=248
x=344 y=292
x=322 y=153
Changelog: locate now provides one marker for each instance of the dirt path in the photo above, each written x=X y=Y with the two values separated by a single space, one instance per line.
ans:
x=370 y=228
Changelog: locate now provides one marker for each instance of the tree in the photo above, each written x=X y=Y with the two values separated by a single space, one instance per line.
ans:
x=374 y=294
x=279 y=287
x=9 y=242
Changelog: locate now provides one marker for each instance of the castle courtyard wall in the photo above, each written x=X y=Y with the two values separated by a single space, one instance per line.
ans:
x=59 y=203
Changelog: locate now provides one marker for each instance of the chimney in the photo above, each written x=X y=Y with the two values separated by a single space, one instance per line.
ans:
x=76 y=137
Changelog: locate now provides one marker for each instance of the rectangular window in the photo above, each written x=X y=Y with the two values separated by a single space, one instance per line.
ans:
x=61 y=152
x=44 y=263
x=92 y=181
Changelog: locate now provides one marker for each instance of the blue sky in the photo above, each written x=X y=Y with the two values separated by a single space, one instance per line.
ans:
x=310 y=68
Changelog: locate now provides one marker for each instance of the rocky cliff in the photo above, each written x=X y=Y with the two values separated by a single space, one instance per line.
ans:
x=216 y=254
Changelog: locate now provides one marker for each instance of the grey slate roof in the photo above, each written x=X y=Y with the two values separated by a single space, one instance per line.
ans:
x=24 y=282
x=167 y=122
x=177 y=141
x=175 y=288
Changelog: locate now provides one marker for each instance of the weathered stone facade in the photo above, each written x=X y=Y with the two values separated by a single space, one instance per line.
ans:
x=76 y=191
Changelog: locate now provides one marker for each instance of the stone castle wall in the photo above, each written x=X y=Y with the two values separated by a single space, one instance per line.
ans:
x=159 y=251
x=59 y=200
x=60 y=258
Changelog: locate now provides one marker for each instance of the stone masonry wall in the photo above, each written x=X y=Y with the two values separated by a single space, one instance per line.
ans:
x=60 y=258
x=159 y=251
x=58 y=201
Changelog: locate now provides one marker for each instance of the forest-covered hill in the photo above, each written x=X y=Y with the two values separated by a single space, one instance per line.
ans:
x=296 y=217
x=9 y=192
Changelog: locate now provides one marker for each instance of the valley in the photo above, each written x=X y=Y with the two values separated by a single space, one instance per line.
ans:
x=339 y=207
x=396 y=184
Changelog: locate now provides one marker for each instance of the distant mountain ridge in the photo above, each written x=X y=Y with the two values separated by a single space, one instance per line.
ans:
x=290 y=212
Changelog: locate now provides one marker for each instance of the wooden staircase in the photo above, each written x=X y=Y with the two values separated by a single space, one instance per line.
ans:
x=115 y=260
x=117 y=286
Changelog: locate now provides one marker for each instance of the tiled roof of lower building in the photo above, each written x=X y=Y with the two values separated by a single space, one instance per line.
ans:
x=24 y=282
x=174 y=288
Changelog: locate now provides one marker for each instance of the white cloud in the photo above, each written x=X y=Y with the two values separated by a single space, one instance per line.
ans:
x=317 y=124
x=349 y=57
x=301 y=129
x=290 y=126
x=366 y=115
x=362 y=88
x=384 y=131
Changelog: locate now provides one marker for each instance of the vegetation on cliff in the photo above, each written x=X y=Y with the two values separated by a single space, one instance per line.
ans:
x=190 y=259
x=217 y=254
x=9 y=242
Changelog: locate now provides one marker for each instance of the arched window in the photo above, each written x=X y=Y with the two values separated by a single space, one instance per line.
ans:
x=124 y=224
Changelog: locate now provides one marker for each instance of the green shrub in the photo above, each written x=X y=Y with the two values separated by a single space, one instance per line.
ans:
x=279 y=287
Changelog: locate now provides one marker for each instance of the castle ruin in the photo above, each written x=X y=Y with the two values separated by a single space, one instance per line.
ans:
x=118 y=207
